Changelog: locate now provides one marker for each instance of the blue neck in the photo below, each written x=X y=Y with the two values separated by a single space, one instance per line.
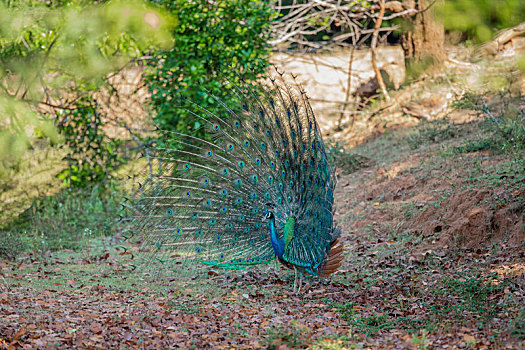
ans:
x=277 y=244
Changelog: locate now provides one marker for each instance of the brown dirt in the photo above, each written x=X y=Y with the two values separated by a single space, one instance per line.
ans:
x=451 y=215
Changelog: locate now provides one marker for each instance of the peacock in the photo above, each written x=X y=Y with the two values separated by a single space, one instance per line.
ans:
x=259 y=186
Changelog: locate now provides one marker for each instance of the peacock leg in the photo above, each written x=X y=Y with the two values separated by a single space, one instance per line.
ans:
x=300 y=282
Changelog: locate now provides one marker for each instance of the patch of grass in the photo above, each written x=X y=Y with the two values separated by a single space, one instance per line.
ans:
x=64 y=221
x=503 y=125
x=293 y=335
x=428 y=132
x=476 y=295
x=518 y=326
x=372 y=324
x=344 y=160
x=12 y=244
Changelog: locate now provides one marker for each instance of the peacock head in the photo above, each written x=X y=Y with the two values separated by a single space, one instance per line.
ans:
x=269 y=216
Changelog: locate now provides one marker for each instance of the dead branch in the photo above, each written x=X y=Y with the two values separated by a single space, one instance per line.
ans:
x=373 y=45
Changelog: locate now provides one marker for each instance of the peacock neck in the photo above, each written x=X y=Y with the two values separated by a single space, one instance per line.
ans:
x=277 y=243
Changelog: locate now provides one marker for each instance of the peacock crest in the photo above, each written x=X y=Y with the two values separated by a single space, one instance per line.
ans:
x=259 y=186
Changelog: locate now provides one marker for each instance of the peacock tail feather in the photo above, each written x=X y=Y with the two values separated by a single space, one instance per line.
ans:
x=258 y=187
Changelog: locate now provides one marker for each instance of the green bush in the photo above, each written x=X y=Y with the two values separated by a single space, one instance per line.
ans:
x=53 y=54
x=213 y=42
x=480 y=19
x=92 y=156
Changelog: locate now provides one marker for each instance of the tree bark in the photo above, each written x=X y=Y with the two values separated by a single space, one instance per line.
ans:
x=426 y=37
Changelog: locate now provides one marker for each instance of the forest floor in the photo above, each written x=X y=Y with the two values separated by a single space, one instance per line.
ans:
x=432 y=215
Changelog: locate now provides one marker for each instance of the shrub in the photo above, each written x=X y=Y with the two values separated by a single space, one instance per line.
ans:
x=213 y=41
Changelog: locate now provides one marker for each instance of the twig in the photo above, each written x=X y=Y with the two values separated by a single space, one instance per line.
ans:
x=373 y=49
x=348 y=87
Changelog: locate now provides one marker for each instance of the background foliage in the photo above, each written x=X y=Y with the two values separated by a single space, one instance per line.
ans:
x=55 y=57
x=55 y=54
x=214 y=41
x=480 y=19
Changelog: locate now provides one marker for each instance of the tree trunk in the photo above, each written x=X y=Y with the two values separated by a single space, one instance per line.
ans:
x=426 y=37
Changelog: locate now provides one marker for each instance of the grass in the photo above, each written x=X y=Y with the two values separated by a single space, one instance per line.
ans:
x=293 y=335
x=430 y=132
x=475 y=295
x=343 y=159
x=518 y=325
x=67 y=220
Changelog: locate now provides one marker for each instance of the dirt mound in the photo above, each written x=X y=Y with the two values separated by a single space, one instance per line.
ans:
x=467 y=221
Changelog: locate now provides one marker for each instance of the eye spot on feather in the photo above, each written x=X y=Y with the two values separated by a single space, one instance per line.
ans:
x=229 y=147
x=247 y=143
x=170 y=211
x=241 y=164
x=211 y=222
x=257 y=161
x=186 y=166
x=217 y=127
x=209 y=153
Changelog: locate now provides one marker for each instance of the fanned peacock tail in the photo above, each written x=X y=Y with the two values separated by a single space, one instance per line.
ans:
x=259 y=187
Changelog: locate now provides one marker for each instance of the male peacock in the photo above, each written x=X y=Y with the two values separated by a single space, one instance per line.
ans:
x=259 y=187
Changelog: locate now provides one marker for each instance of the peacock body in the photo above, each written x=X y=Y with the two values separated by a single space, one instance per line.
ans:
x=259 y=187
